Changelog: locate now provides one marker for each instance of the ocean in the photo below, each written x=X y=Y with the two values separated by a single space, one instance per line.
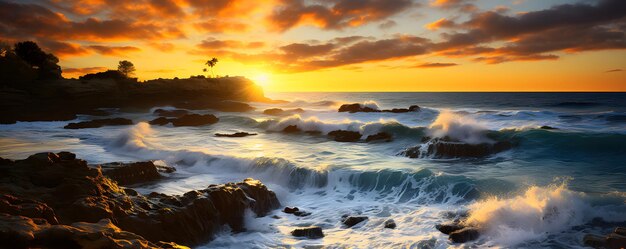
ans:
x=552 y=188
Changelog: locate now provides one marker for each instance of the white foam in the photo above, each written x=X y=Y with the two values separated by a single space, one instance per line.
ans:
x=538 y=212
x=315 y=124
x=459 y=127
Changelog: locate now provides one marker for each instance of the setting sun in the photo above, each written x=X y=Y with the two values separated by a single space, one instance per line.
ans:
x=262 y=80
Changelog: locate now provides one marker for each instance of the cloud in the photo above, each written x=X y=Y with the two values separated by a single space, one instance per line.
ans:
x=388 y=24
x=614 y=71
x=441 y=23
x=215 y=44
x=463 y=5
x=63 y=49
x=435 y=65
x=112 y=50
x=334 y=14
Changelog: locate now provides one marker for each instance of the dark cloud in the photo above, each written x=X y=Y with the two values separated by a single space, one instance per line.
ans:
x=614 y=71
x=215 y=44
x=334 y=14
x=115 y=51
x=435 y=65
x=63 y=49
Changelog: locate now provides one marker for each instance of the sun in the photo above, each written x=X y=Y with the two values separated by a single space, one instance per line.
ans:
x=262 y=79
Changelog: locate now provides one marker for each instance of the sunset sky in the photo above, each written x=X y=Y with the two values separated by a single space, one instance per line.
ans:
x=333 y=45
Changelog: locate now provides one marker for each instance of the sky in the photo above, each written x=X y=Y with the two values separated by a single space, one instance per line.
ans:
x=339 y=45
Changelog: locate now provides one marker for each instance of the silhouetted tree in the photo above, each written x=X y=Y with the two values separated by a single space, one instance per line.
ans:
x=126 y=68
x=14 y=70
x=211 y=63
x=44 y=63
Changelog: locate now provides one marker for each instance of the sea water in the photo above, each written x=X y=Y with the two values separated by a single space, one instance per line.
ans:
x=548 y=191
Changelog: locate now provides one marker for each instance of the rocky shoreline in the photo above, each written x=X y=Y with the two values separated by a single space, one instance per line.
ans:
x=54 y=200
x=63 y=99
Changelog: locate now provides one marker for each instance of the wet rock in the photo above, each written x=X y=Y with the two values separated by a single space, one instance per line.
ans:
x=464 y=235
x=79 y=193
x=301 y=213
x=345 y=136
x=391 y=224
x=545 y=127
x=413 y=108
x=448 y=228
x=97 y=123
x=236 y=134
x=313 y=232
x=281 y=112
x=381 y=136
x=171 y=113
x=131 y=173
x=195 y=120
x=26 y=207
x=356 y=107
x=351 y=221
x=160 y=121
x=291 y=129
x=615 y=240
x=442 y=148
x=290 y=210
x=24 y=232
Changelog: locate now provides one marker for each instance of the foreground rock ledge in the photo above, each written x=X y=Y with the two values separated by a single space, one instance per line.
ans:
x=56 y=189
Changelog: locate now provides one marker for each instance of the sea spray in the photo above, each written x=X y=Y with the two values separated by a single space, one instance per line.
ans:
x=459 y=127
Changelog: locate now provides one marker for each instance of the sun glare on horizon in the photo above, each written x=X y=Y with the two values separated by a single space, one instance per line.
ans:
x=262 y=80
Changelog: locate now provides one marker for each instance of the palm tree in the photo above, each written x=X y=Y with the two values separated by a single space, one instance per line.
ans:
x=211 y=63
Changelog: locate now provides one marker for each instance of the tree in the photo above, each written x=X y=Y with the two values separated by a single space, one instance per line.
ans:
x=126 y=68
x=211 y=63
x=44 y=63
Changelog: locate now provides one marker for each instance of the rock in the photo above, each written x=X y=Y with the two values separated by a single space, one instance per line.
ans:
x=195 y=120
x=356 y=107
x=545 y=127
x=24 y=232
x=291 y=129
x=313 y=232
x=390 y=223
x=443 y=148
x=381 y=136
x=301 y=213
x=345 y=136
x=26 y=207
x=160 y=121
x=594 y=241
x=171 y=113
x=620 y=231
x=350 y=221
x=290 y=210
x=97 y=123
x=131 y=173
x=615 y=241
x=281 y=112
x=236 y=134
x=447 y=228
x=79 y=193
x=64 y=155
x=464 y=235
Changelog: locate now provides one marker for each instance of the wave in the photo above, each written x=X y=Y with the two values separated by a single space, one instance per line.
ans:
x=313 y=124
x=459 y=127
x=575 y=104
x=538 y=212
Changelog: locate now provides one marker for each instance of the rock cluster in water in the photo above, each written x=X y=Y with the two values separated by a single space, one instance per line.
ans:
x=236 y=134
x=56 y=200
x=97 y=123
x=448 y=148
x=614 y=240
x=356 y=107
x=187 y=120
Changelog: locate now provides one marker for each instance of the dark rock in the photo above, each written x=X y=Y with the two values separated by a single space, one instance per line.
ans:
x=545 y=127
x=24 y=232
x=64 y=155
x=97 y=123
x=160 y=121
x=345 y=136
x=350 y=221
x=464 y=235
x=594 y=241
x=79 y=193
x=442 y=148
x=281 y=112
x=313 y=232
x=195 y=120
x=291 y=129
x=236 y=134
x=447 y=228
x=131 y=173
x=391 y=224
x=356 y=107
x=381 y=136
x=615 y=241
x=171 y=113
x=26 y=207
x=620 y=231
x=301 y=213
x=290 y=210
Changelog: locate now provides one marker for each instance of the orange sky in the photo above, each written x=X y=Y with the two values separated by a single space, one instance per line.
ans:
x=332 y=45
